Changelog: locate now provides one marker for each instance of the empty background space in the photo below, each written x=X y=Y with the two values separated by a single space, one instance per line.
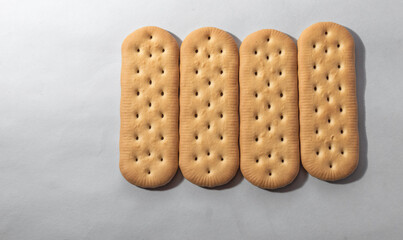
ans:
x=59 y=127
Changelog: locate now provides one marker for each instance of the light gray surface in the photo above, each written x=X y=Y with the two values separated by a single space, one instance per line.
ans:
x=59 y=128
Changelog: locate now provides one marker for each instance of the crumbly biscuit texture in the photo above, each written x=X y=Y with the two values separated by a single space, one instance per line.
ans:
x=209 y=126
x=327 y=101
x=269 y=138
x=149 y=107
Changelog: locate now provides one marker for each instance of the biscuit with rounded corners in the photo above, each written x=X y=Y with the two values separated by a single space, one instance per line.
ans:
x=269 y=137
x=209 y=107
x=149 y=107
x=327 y=101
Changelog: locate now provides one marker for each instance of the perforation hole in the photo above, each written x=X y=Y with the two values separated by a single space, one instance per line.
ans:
x=138 y=93
x=267 y=57
x=221 y=115
x=208 y=126
x=196 y=93
x=208 y=38
x=149 y=126
x=149 y=172
x=255 y=73
x=330 y=165
x=327 y=77
x=138 y=50
x=257 y=160
x=137 y=115
x=151 y=55
x=162 y=115
x=149 y=104
x=327 y=98
x=279 y=52
x=196 y=115
x=163 y=50
x=209 y=83
x=256 y=95
x=162 y=93
x=326 y=33
x=268 y=84
x=149 y=153
x=330 y=147
x=280 y=73
x=268 y=128
x=316 y=131
x=221 y=72
x=282 y=160
x=317 y=153
x=316 y=110
x=208 y=171
x=269 y=155
x=257 y=117
x=162 y=138
x=341 y=131
x=162 y=71
x=221 y=137
x=151 y=37
x=338 y=66
x=196 y=51
x=314 y=88
x=195 y=158
x=136 y=159
x=281 y=95
x=221 y=94
x=325 y=50
x=197 y=71
x=138 y=71
x=137 y=138
x=161 y=159
x=208 y=56
x=282 y=139
x=150 y=82
x=268 y=106
x=338 y=45
x=208 y=104
x=339 y=88
x=281 y=117
x=196 y=137
x=314 y=46
x=268 y=39
x=269 y=173
x=255 y=52
x=221 y=51
x=328 y=120
x=314 y=66
x=208 y=153
x=342 y=152
x=341 y=109
x=256 y=139
x=222 y=158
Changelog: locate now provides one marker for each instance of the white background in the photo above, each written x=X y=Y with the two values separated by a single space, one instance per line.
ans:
x=59 y=127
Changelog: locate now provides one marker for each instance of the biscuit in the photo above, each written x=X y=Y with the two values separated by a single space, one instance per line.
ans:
x=149 y=107
x=208 y=147
x=327 y=101
x=269 y=140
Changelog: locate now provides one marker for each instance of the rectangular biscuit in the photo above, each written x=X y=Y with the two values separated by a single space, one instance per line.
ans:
x=149 y=107
x=269 y=138
x=208 y=148
x=327 y=101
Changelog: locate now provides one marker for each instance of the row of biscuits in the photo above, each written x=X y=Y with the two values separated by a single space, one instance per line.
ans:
x=292 y=104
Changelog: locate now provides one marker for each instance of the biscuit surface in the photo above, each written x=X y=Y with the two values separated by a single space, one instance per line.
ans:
x=328 y=104
x=149 y=107
x=209 y=107
x=269 y=138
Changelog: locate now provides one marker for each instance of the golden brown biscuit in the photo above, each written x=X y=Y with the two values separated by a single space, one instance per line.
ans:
x=149 y=107
x=327 y=101
x=269 y=138
x=209 y=107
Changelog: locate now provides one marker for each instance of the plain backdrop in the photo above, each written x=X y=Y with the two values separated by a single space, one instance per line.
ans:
x=59 y=127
